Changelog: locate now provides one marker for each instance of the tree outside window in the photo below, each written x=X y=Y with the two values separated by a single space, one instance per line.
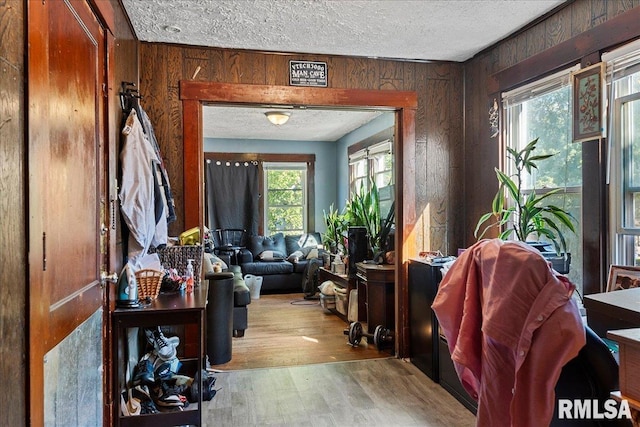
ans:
x=544 y=112
x=285 y=204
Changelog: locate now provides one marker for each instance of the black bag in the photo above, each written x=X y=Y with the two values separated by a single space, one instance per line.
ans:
x=208 y=382
x=310 y=277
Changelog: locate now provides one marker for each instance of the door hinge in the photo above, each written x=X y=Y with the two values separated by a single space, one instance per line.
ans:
x=44 y=251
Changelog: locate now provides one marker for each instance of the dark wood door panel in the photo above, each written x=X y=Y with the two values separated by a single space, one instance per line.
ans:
x=67 y=70
x=72 y=180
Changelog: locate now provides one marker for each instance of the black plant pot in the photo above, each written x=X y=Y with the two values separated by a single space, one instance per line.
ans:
x=560 y=263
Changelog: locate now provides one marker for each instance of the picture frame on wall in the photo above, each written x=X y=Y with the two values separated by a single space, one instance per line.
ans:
x=623 y=277
x=588 y=123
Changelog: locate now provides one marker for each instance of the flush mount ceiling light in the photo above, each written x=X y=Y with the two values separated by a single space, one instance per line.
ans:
x=171 y=29
x=277 y=117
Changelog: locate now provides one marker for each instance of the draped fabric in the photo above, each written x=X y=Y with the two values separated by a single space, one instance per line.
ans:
x=232 y=192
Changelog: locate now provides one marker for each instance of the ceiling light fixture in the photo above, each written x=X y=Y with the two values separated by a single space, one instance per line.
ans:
x=278 y=118
x=172 y=29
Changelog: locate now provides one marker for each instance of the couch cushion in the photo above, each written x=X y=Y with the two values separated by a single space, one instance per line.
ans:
x=297 y=242
x=266 y=268
x=259 y=244
x=241 y=294
x=271 y=256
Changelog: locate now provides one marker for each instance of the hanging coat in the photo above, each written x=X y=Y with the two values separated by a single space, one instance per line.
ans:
x=137 y=193
x=166 y=194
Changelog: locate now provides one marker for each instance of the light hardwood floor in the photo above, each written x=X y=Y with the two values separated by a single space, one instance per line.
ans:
x=295 y=368
x=287 y=330
x=381 y=392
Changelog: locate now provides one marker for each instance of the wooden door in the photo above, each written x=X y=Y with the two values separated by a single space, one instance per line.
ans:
x=66 y=177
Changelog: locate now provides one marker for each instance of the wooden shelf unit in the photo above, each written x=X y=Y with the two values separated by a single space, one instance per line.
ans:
x=165 y=310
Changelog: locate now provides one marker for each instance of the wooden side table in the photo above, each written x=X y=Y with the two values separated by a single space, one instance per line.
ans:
x=169 y=309
x=376 y=295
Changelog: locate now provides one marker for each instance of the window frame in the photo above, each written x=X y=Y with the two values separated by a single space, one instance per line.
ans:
x=309 y=159
x=513 y=102
x=360 y=151
x=620 y=63
x=285 y=166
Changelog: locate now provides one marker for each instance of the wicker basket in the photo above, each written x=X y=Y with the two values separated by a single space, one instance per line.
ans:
x=149 y=282
x=177 y=257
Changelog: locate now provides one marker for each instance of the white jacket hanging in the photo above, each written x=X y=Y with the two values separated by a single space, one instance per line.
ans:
x=137 y=200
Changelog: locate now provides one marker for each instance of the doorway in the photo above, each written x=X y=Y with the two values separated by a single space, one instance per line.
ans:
x=196 y=94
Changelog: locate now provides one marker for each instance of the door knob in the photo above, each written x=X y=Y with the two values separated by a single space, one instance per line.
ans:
x=106 y=277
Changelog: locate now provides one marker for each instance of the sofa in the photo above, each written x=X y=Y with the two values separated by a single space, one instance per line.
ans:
x=281 y=260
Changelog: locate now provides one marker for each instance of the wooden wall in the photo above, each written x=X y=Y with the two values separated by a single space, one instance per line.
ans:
x=13 y=191
x=439 y=144
x=576 y=32
x=13 y=251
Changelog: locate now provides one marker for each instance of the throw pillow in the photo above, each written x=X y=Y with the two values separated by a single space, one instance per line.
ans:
x=313 y=253
x=295 y=256
x=271 y=256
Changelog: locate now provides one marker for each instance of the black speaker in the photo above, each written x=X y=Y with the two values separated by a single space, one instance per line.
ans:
x=357 y=247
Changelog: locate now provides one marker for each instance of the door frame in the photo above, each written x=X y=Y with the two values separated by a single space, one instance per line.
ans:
x=195 y=94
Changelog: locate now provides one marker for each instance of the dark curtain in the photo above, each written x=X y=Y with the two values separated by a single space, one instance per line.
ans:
x=232 y=193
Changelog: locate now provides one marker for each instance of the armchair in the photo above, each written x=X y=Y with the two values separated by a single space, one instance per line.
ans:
x=592 y=374
x=229 y=241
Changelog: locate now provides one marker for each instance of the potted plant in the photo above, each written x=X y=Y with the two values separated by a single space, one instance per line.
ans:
x=364 y=210
x=525 y=214
x=336 y=232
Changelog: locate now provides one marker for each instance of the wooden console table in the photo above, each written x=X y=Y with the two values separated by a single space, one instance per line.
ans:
x=613 y=310
x=169 y=309
x=376 y=295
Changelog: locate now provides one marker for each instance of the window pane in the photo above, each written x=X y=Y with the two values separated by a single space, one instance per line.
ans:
x=548 y=118
x=571 y=202
x=546 y=114
x=285 y=200
x=630 y=139
x=383 y=179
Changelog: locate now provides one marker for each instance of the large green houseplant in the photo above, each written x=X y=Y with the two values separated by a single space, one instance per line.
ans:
x=526 y=214
x=364 y=210
x=337 y=225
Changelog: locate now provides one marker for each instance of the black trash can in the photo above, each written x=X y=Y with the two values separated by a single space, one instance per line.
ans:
x=219 y=328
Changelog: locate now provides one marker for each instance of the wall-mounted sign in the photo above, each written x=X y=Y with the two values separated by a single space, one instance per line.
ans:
x=307 y=73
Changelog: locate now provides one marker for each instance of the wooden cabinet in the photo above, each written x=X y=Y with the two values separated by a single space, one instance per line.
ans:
x=612 y=310
x=165 y=310
x=424 y=279
x=376 y=295
x=429 y=348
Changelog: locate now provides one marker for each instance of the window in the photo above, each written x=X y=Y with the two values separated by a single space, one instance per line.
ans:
x=623 y=83
x=286 y=198
x=374 y=163
x=543 y=110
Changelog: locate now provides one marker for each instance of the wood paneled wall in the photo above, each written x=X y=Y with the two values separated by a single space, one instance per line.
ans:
x=13 y=251
x=439 y=145
x=570 y=33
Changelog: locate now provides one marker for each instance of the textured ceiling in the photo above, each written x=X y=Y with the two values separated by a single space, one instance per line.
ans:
x=425 y=30
x=445 y=30
x=303 y=125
